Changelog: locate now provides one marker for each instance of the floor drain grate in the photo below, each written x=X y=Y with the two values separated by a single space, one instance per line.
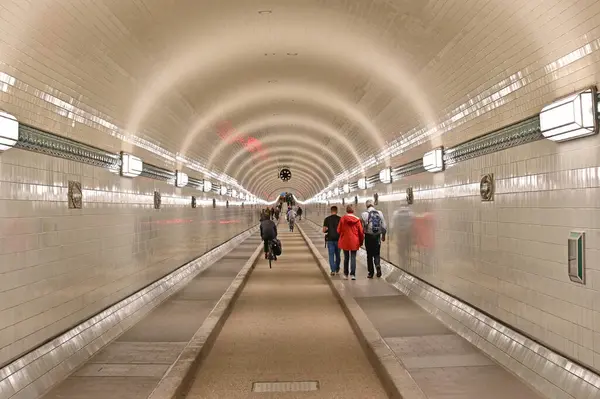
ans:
x=286 y=386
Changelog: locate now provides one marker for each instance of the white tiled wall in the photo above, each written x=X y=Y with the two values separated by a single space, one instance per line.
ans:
x=509 y=257
x=60 y=266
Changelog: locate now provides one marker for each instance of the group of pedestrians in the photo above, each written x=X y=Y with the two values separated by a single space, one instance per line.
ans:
x=348 y=233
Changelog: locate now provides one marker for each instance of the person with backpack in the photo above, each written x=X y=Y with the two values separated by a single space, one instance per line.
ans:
x=330 y=226
x=268 y=232
x=291 y=217
x=375 y=229
x=351 y=238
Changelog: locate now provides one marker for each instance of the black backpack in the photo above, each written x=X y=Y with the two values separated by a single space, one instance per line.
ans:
x=276 y=246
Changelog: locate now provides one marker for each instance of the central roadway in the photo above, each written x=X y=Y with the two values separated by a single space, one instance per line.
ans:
x=288 y=327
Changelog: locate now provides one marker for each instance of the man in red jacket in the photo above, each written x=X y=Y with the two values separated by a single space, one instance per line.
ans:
x=351 y=238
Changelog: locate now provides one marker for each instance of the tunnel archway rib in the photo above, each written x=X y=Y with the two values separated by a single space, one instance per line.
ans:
x=307 y=173
x=291 y=152
x=290 y=144
x=258 y=93
x=301 y=179
x=268 y=188
x=283 y=121
x=353 y=49
x=275 y=163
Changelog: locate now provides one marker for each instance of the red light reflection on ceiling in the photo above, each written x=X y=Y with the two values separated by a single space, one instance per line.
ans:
x=228 y=134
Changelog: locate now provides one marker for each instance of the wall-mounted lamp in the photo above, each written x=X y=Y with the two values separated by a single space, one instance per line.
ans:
x=433 y=161
x=362 y=183
x=385 y=176
x=9 y=131
x=223 y=190
x=346 y=188
x=131 y=166
x=207 y=186
x=571 y=117
x=181 y=179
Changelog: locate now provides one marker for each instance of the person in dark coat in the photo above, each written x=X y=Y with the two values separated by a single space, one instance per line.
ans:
x=268 y=232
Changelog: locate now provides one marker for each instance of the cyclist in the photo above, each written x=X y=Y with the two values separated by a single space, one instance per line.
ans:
x=268 y=232
x=291 y=217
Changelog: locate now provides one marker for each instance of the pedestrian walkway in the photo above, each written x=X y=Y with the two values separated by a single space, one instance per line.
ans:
x=443 y=364
x=287 y=337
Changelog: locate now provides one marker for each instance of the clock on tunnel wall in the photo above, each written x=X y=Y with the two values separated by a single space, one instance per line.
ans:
x=285 y=174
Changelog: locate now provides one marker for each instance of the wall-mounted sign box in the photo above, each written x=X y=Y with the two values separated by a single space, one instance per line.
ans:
x=75 y=195
x=576 y=257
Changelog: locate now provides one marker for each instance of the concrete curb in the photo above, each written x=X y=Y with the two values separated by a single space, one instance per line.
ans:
x=396 y=380
x=176 y=381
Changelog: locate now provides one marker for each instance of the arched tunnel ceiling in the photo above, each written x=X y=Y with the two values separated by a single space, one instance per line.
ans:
x=246 y=87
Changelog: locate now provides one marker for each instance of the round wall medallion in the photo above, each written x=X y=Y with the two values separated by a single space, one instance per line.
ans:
x=486 y=187
x=285 y=174
x=409 y=196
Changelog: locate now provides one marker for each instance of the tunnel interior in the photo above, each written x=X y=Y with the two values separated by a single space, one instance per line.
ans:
x=137 y=136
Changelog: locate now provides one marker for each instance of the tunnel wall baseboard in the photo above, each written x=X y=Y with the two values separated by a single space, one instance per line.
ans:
x=543 y=369
x=35 y=373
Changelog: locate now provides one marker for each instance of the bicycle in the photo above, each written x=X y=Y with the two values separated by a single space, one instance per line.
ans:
x=270 y=255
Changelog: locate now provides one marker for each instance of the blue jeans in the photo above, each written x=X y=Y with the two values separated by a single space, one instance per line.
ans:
x=334 y=256
x=350 y=257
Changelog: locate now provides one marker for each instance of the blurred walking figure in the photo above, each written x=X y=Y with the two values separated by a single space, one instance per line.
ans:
x=351 y=238
x=375 y=229
x=299 y=213
x=402 y=227
x=330 y=228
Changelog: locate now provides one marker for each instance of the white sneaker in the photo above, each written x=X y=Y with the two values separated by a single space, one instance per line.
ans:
x=345 y=277
x=353 y=277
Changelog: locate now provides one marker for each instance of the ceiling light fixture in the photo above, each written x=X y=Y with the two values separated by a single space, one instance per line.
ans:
x=131 y=166
x=571 y=117
x=263 y=12
x=385 y=176
x=292 y=54
x=181 y=179
x=433 y=161
x=362 y=183
x=9 y=131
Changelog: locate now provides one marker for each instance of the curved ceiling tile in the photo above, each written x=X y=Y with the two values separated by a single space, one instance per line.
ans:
x=300 y=121
x=302 y=179
x=258 y=93
x=293 y=151
x=286 y=143
x=275 y=164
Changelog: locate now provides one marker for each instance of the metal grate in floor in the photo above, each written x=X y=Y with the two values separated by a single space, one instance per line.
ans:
x=285 y=386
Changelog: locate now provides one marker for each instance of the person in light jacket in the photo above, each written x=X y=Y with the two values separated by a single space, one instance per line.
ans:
x=351 y=238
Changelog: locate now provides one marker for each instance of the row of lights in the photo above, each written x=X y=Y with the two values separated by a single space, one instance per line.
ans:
x=131 y=166
x=569 y=118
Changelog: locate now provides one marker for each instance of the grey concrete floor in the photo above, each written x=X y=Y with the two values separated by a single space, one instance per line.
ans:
x=287 y=326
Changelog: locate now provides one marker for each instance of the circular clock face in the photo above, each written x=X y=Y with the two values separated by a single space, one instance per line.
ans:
x=285 y=174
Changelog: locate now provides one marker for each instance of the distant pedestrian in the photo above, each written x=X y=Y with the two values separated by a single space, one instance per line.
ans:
x=299 y=213
x=330 y=228
x=352 y=236
x=375 y=229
